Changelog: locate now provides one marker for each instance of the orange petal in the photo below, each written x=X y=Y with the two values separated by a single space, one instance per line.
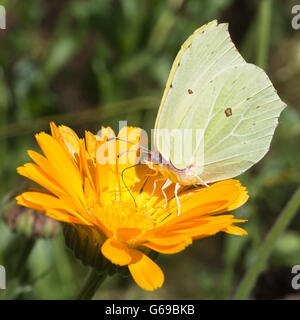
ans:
x=146 y=273
x=125 y=234
x=214 y=225
x=232 y=229
x=105 y=133
x=38 y=175
x=54 y=214
x=90 y=140
x=169 y=249
x=64 y=217
x=90 y=193
x=116 y=252
x=66 y=137
x=23 y=202
x=47 y=201
x=136 y=137
x=219 y=197
x=84 y=162
x=65 y=168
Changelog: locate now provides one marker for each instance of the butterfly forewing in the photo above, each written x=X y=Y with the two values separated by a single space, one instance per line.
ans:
x=230 y=106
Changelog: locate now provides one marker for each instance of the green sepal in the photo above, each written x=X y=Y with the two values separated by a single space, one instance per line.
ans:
x=85 y=243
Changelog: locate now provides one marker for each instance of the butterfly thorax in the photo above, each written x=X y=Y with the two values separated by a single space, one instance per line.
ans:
x=186 y=176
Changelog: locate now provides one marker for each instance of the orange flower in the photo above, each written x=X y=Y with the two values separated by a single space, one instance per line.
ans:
x=121 y=208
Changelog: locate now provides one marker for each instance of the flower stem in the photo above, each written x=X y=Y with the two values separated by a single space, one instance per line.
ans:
x=280 y=225
x=15 y=279
x=264 y=24
x=27 y=248
x=92 y=284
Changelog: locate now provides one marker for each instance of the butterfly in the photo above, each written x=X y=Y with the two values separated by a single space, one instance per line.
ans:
x=220 y=112
x=217 y=115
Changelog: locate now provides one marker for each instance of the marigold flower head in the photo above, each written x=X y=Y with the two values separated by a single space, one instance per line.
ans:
x=116 y=205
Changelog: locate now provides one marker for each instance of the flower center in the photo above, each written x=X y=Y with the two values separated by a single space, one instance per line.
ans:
x=121 y=214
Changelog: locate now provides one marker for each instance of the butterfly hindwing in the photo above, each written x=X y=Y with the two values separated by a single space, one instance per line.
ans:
x=204 y=54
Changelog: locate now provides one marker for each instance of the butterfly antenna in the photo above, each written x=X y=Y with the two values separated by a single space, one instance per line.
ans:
x=135 y=144
x=122 y=175
x=177 y=187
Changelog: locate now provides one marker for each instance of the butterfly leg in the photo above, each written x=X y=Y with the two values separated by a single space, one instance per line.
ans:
x=152 y=193
x=177 y=186
x=154 y=174
x=202 y=182
x=154 y=183
x=166 y=185
x=154 y=186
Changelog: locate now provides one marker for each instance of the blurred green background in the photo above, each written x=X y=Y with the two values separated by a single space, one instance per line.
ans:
x=90 y=63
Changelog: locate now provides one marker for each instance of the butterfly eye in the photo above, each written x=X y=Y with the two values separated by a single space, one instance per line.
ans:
x=160 y=158
x=155 y=157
